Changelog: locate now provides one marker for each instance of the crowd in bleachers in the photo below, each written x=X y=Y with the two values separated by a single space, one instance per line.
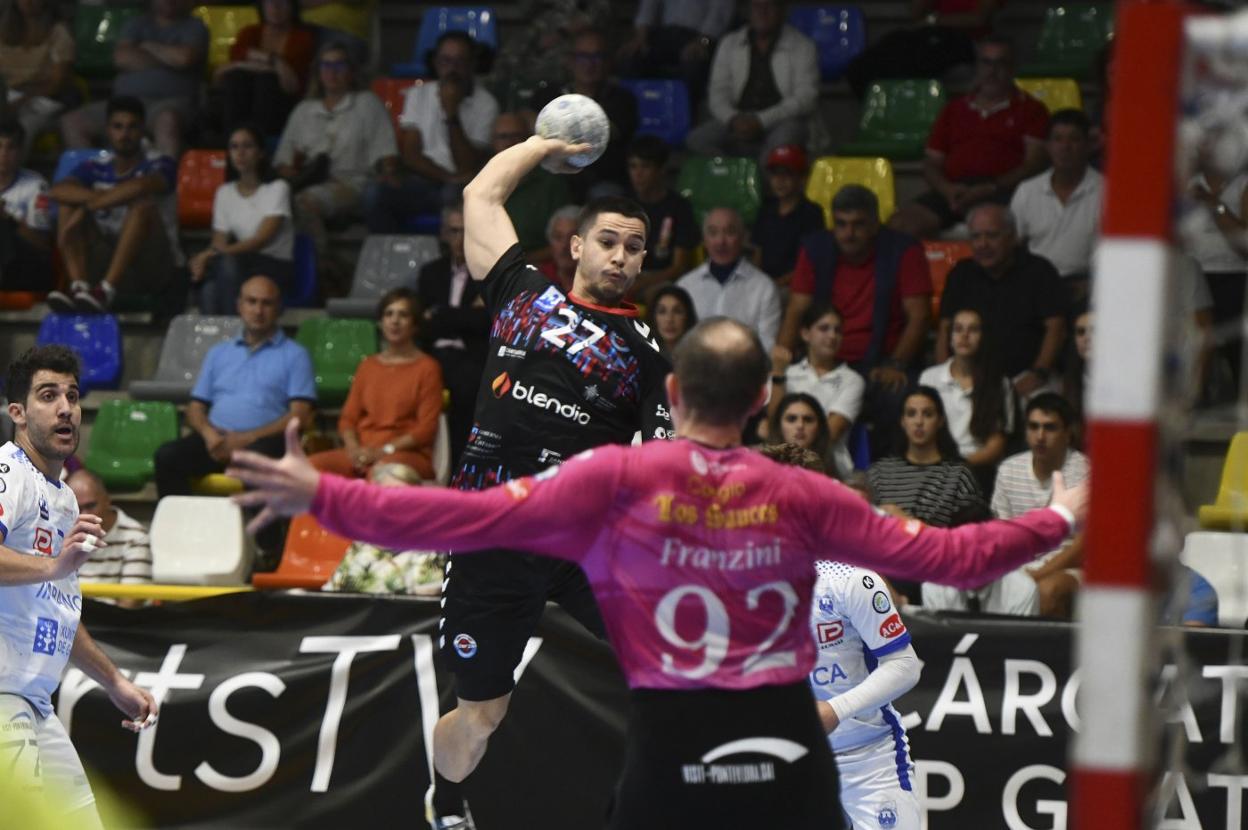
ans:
x=932 y=351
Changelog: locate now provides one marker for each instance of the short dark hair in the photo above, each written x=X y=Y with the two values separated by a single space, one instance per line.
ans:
x=126 y=103
x=400 y=293
x=1053 y=404
x=12 y=129
x=817 y=311
x=650 y=149
x=855 y=197
x=295 y=11
x=720 y=365
x=53 y=358
x=611 y=204
x=794 y=456
x=1071 y=118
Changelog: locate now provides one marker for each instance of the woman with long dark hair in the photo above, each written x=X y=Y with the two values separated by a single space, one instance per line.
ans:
x=671 y=315
x=252 y=231
x=799 y=419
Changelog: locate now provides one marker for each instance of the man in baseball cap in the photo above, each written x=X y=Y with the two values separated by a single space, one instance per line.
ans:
x=787 y=215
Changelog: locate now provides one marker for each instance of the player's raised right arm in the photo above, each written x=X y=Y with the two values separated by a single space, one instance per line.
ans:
x=488 y=230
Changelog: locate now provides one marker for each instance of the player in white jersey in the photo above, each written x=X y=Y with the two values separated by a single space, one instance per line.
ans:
x=864 y=662
x=43 y=541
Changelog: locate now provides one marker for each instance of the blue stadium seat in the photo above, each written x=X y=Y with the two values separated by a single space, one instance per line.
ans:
x=839 y=33
x=303 y=293
x=860 y=446
x=97 y=340
x=479 y=22
x=662 y=108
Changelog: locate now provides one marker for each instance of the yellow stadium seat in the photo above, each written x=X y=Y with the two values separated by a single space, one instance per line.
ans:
x=1054 y=93
x=224 y=23
x=216 y=484
x=830 y=173
x=1230 y=510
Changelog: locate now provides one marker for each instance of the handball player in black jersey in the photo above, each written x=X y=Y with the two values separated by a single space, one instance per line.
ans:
x=565 y=372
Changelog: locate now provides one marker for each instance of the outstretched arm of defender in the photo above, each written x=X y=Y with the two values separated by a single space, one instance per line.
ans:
x=487 y=227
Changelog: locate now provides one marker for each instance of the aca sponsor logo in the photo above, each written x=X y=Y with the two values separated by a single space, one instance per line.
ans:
x=829 y=632
x=892 y=627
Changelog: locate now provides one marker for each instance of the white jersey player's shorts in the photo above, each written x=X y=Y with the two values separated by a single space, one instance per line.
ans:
x=39 y=750
x=876 y=788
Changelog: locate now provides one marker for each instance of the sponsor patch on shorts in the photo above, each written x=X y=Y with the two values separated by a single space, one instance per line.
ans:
x=465 y=645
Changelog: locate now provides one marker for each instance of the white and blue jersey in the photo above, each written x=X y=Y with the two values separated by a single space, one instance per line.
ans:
x=854 y=624
x=99 y=173
x=38 y=622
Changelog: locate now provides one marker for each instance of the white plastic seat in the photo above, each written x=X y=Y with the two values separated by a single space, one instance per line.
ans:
x=386 y=261
x=187 y=340
x=200 y=540
x=1222 y=558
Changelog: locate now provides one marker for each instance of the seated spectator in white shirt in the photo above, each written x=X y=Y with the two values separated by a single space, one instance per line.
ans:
x=1025 y=481
x=1058 y=212
x=126 y=555
x=727 y=283
x=827 y=378
x=252 y=231
x=978 y=398
x=25 y=225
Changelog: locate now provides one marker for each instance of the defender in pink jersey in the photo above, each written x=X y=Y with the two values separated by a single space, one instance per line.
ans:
x=701 y=554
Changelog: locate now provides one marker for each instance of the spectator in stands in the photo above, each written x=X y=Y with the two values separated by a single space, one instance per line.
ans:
x=1059 y=211
x=1078 y=364
x=1216 y=234
x=590 y=75
x=347 y=22
x=675 y=39
x=787 y=216
x=160 y=60
x=763 y=87
x=1024 y=482
x=878 y=279
x=981 y=146
x=1017 y=292
x=268 y=68
x=391 y=412
x=673 y=230
x=25 y=225
x=444 y=137
x=670 y=316
x=126 y=554
x=823 y=374
x=727 y=283
x=977 y=399
x=538 y=195
x=938 y=43
x=246 y=391
x=560 y=267
x=457 y=323
x=799 y=419
x=333 y=143
x=117 y=226
x=252 y=231
x=36 y=64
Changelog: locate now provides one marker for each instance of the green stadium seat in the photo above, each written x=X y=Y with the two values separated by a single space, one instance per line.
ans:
x=896 y=119
x=1071 y=38
x=830 y=173
x=124 y=440
x=96 y=28
x=710 y=182
x=337 y=346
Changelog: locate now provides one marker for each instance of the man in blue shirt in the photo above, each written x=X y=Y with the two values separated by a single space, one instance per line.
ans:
x=247 y=389
x=117 y=223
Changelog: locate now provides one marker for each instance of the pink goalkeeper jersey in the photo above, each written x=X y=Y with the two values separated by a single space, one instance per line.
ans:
x=702 y=560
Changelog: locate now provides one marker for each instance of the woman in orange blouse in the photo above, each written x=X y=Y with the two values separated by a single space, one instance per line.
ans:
x=268 y=68
x=391 y=413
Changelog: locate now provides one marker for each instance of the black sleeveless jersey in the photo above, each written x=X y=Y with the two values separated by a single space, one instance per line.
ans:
x=561 y=376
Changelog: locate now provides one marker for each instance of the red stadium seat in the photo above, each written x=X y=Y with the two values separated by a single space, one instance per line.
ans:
x=941 y=257
x=200 y=173
x=390 y=91
x=311 y=555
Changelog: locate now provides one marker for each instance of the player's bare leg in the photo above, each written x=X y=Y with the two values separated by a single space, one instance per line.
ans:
x=462 y=735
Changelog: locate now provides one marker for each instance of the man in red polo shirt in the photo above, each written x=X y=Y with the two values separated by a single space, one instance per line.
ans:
x=981 y=146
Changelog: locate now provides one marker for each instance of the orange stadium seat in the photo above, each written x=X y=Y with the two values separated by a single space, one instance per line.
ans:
x=311 y=555
x=941 y=257
x=200 y=173
x=390 y=91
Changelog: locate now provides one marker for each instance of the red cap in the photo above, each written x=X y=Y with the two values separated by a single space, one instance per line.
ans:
x=789 y=156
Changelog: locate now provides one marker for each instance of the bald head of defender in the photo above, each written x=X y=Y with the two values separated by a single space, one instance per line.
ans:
x=720 y=374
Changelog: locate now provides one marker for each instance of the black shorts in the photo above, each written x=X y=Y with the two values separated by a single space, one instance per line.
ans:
x=491 y=604
x=936 y=202
x=672 y=779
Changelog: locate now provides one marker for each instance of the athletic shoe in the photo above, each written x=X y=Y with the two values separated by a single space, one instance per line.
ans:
x=62 y=302
x=454 y=823
x=95 y=300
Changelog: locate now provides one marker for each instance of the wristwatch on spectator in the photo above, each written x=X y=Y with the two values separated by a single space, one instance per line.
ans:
x=387 y=449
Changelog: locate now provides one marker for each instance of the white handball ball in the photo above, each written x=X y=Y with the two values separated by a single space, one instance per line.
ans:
x=576 y=119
